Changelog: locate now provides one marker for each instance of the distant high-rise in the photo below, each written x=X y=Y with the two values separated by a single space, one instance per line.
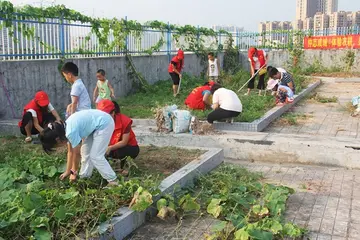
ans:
x=306 y=8
x=328 y=6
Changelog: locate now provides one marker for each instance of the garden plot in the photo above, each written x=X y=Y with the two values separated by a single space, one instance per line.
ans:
x=34 y=203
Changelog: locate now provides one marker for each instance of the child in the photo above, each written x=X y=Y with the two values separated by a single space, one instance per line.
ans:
x=123 y=142
x=37 y=113
x=80 y=99
x=96 y=128
x=285 y=78
x=213 y=68
x=283 y=93
x=103 y=89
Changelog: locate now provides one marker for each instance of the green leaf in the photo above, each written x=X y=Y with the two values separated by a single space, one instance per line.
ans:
x=276 y=227
x=32 y=201
x=259 y=210
x=260 y=235
x=142 y=199
x=35 y=168
x=60 y=213
x=242 y=234
x=50 y=171
x=42 y=234
x=214 y=207
x=161 y=203
x=40 y=222
x=189 y=204
x=69 y=195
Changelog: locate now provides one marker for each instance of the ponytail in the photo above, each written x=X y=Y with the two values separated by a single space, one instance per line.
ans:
x=51 y=134
x=117 y=107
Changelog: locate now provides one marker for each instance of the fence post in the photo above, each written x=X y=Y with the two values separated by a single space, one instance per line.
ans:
x=168 y=48
x=62 y=36
x=127 y=37
x=198 y=36
x=237 y=39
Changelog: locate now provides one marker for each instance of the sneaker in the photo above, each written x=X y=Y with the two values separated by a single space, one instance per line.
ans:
x=28 y=139
x=246 y=94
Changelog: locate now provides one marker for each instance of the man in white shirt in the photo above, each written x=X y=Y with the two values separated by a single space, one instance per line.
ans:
x=226 y=104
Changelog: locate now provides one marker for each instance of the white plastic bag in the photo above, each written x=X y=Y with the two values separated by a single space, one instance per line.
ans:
x=167 y=112
x=181 y=121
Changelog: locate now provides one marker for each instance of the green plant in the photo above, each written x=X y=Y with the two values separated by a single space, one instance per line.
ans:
x=349 y=59
x=245 y=208
x=322 y=99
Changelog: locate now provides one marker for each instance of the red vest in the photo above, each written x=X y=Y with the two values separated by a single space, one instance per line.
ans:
x=121 y=122
x=179 y=64
x=195 y=98
x=32 y=105
x=261 y=57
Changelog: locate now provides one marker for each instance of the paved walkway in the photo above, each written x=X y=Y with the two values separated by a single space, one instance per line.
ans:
x=326 y=202
x=326 y=119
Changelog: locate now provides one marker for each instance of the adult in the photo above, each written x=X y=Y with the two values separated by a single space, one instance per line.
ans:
x=95 y=127
x=285 y=78
x=258 y=60
x=36 y=114
x=200 y=97
x=213 y=71
x=226 y=104
x=123 y=142
x=175 y=67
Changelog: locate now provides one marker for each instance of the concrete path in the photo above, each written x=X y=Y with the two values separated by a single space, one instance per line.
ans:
x=326 y=202
x=325 y=119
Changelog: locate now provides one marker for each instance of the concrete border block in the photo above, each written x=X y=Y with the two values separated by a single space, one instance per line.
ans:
x=130 y=220
x=255 y=126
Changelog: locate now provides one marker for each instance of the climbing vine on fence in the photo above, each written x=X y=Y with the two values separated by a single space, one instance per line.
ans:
x=103 y=28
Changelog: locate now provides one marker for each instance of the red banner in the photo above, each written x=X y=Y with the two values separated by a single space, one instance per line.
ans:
x=332 y=42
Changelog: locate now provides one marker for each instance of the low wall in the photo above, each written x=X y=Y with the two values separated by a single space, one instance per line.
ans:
x=327 y=58
x=21 y=79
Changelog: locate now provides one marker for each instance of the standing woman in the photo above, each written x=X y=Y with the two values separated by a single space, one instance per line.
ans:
x=123 y=142
x=175 y=67
x=258 y=59
x=95 y=128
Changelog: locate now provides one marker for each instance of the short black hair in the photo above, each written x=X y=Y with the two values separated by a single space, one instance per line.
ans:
x=70 y=67
x=117 y=107
x=269 y=68
x=215 y=87
x=101 y=71
x=49 y=136
x=211 y=54
x=273 y=72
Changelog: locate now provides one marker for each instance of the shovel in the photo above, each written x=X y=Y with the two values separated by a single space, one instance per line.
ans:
x=179 y=87
x=251 y=78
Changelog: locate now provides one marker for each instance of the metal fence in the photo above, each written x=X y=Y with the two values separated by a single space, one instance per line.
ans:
x=54 y=39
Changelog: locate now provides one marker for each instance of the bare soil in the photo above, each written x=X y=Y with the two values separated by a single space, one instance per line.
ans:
x=338 y=74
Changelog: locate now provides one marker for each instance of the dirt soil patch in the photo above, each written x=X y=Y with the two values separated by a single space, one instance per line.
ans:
x=165 y=160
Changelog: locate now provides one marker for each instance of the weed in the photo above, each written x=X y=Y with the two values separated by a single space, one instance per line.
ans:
x=292 y=118
x=322 y=99
x=35 y=204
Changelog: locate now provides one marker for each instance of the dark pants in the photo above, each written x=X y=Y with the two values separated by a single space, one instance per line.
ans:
x=27 y=118
x=261 y=83
x=220 y=114
x=123 y=153
x=175 y=78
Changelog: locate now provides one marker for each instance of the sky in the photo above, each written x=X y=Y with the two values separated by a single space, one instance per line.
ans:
x=241 y=13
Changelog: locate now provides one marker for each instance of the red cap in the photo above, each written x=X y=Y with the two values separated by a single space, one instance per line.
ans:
x=251 y=51
x=211 y=83
x=106 y=105
x=180 y=54
x=42 y=99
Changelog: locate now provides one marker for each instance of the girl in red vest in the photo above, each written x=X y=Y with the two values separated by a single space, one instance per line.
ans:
x=199 y=98
x=258 y=59
x=123 y=142
x=36 y=114
x=175 y=67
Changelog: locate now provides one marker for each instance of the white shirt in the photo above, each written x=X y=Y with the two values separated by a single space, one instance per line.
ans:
x=79 y=90
x=227 y=100
x=257 y=62
x=213 y=68
x=34 y=114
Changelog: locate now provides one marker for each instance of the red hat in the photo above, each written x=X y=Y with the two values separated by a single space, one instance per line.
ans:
x=106 y=105
x=42 y=99
x=180 y=54
x=251 y=51
x=211 y=83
